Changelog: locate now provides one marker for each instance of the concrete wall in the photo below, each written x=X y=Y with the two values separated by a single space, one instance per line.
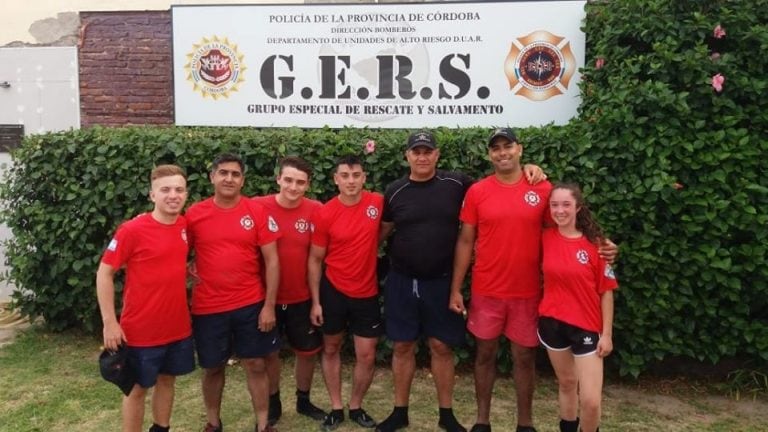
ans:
x=56 y=23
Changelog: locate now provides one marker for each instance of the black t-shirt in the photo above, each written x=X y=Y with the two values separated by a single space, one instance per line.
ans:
x=426 y=218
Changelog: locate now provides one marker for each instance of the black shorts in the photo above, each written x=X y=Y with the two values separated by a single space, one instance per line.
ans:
x=556 y=335
x=419 y=307
x=293 y=322
x=218 y=335
x=360 y=316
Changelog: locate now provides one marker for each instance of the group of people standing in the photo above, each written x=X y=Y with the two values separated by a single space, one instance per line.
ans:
x=286 y=265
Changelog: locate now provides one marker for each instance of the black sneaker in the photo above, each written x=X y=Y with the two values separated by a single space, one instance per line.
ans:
x=305 y=407
x=275 y=410
x=393 y=423
x=479 y=427
x=211 y=428
x=362 y=418
x=332 y=420
x=450 y=424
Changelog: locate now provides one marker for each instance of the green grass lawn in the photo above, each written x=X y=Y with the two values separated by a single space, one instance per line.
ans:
x=50 y=382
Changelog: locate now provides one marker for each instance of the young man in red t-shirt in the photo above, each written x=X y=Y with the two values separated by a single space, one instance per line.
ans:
x=293 y=213
x=232 y=312
x=345 y=297
x=502 y=219
x=154 y=324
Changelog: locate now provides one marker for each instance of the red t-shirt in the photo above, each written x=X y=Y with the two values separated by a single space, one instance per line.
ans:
x=350 y=235
x=293 y=246
x=155 y=308
x=574 y=278
x=227 y=257
x=509 y=219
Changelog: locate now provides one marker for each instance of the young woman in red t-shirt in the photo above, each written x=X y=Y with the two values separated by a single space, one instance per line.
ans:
x=576 y=312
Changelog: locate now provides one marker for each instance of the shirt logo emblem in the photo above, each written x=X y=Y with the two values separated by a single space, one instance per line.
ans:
x=246 y=222
x=301 y=225
x=184 y=234
x=582 y=256
x=272 y=225
x=532 y=198
x=609 y=272
x=372 y=212
x=112 y=245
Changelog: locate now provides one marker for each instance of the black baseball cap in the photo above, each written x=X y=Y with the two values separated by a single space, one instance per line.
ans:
x=114 y=368
x=421 y=138
x=505 y=132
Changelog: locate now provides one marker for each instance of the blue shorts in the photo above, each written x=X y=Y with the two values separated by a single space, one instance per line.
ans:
x=419 y=307
x=219 y=335
x=175 y=358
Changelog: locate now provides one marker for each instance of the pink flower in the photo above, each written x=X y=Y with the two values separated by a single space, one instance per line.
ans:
x=370 y=147
x=717 y=82
x=678 y=186
x=599 y=63
x=719 y=32
x=715 y=56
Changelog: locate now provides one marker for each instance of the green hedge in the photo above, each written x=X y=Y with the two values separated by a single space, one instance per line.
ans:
x=674 y=169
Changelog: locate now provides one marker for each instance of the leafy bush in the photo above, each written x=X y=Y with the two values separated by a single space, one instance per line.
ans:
x=672 y=166
x=681 y=172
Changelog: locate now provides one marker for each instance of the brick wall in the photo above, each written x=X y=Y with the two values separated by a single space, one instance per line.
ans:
x=126 y=68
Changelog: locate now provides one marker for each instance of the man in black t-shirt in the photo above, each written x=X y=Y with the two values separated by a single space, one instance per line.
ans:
x=422 y=208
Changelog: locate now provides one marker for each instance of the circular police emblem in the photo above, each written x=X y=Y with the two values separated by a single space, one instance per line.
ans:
x=582 y=256
x=246 y=222
x=215 y=67
x=301 y=225
x=532 y=198
x=372 y=212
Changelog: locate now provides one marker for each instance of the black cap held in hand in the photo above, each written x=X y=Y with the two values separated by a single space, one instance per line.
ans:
x=114 y=368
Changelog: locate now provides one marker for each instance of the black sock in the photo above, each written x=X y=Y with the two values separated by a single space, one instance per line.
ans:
x=301 y=394
x=400 y=411
x=275 y=396
x=157 y=428
x=338 y=413
x=569 y=425
x=446 y=413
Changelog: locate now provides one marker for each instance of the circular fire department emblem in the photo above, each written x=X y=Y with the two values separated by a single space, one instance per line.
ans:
x=301 y=225
x=246 y=222
x=582 y=256
x=372 y=212
x=215 y=67
x=532 y=198
x=540 y=65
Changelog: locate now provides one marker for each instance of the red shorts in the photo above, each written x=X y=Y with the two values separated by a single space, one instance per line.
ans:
x=516 y=318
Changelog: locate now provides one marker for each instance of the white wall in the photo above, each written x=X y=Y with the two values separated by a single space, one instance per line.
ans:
x=18 y=15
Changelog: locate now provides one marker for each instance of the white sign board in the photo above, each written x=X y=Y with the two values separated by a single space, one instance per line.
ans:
x=379 y=66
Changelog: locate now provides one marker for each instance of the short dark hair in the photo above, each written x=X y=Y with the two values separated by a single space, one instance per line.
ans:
x=227 y=157
x=349 y=159
x=297 y=163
